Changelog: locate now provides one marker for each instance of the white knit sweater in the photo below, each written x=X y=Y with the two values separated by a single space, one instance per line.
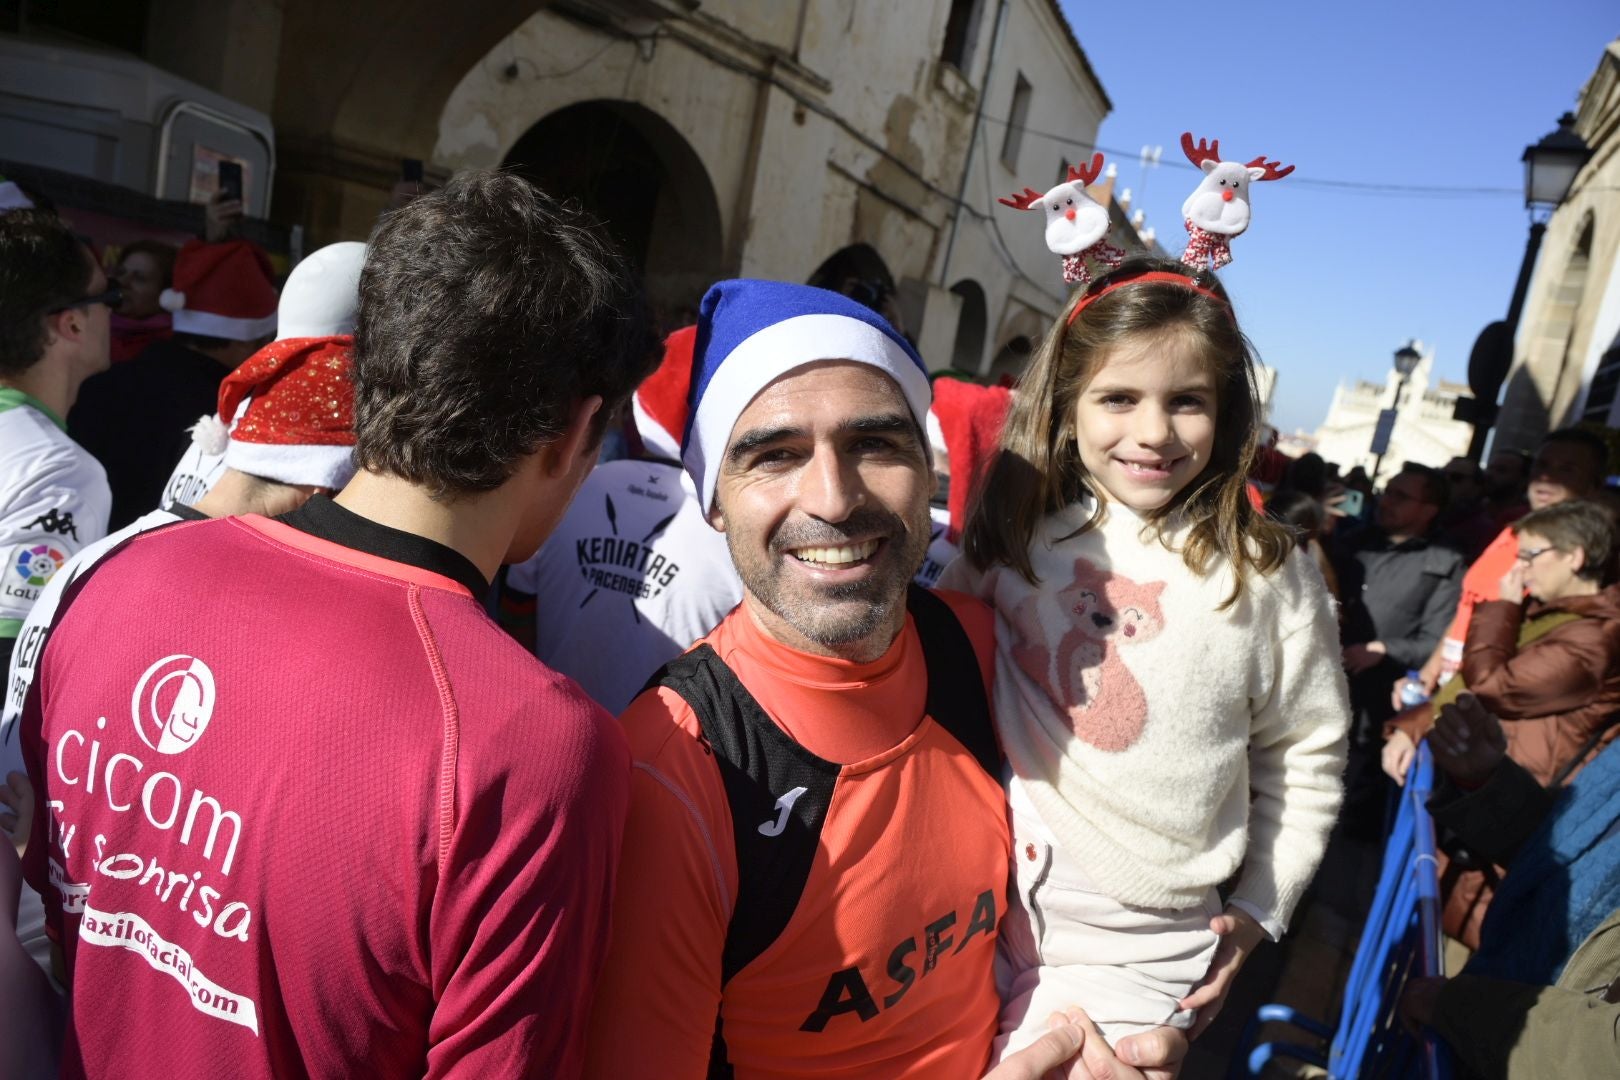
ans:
x=1163 y=741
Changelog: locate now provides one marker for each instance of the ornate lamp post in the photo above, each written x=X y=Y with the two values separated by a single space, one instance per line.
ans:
x=1550 y=167
x=1407 y=358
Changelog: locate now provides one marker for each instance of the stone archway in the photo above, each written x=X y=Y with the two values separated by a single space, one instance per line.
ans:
x=967 y=353
x=358 y=86
x=633 y=172
x=859 y=272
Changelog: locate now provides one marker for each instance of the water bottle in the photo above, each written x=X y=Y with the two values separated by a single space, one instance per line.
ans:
x=1412 y=690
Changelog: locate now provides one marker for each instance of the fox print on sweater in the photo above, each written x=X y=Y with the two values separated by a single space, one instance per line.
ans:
x=1163 y=740
x=1100 y=612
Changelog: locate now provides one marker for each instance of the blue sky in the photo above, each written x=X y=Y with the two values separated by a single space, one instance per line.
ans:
x=1330 y=283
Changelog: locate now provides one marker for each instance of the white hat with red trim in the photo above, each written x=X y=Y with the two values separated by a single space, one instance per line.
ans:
x=223 y=291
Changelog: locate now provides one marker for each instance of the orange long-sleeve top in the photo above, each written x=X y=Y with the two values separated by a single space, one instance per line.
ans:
x=885 y=966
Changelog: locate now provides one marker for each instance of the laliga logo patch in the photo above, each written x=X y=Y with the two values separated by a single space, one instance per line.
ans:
x=37 y=565
x=173 y=703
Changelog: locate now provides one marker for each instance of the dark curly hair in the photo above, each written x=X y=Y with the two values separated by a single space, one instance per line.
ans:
x=487 y=310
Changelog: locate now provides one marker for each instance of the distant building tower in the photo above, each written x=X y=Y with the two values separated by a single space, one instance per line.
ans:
x=1424 y=430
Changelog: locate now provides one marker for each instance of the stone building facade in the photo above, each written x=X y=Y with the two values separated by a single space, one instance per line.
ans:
x=854 y=145
x=1424 y=431
x=843 y=142
x=1566 y=365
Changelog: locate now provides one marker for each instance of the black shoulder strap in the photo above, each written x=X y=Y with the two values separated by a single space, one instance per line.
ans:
x=956 y=696
x=778 y=793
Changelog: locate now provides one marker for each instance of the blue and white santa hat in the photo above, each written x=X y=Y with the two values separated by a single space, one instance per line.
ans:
x=751 y=333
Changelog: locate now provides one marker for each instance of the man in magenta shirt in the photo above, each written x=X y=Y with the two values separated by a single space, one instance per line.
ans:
x=305 y=809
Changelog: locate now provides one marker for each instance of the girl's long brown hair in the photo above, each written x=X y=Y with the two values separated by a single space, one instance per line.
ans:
x=1037 y=470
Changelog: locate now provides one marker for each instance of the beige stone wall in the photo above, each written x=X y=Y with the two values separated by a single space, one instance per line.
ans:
x=820 y=126
x=1559 y=330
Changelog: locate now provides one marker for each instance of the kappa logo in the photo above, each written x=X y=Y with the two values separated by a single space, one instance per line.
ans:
x=56 y=521
x=173 y=703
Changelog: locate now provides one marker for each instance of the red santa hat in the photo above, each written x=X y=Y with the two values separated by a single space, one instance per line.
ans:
x=660 y=404
x=222 y=290
x=967 y=418
x=298 y=426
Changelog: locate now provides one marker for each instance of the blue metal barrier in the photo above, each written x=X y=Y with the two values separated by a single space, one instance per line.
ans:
x=1400 y=940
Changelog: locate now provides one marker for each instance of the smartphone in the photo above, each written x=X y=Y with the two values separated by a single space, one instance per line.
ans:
x=230 y=179
x=1353 y=503
x=410 y=170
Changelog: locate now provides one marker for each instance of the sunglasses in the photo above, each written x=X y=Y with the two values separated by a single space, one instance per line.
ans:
x=112 y=298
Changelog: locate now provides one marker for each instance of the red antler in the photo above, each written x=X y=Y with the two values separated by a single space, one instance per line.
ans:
x=1210 y=151
x=1022 y=202
x=1086 y=174
x=1272 y=172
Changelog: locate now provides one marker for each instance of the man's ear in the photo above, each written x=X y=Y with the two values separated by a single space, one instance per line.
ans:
x=562 y=454
x=716 y=519
x=68 y=325
x=1577 y=559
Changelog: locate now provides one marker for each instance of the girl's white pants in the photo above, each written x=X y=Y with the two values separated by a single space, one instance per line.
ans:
x=1062 y=943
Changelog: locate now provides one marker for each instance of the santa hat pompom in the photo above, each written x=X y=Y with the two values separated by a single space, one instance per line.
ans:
x=172 y=300
x=210 y=435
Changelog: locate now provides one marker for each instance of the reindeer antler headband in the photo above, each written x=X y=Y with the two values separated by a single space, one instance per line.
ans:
x=1218 y=209
x=1076 y=224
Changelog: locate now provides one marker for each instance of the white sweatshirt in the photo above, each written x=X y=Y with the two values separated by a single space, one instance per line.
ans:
x=1163 y=741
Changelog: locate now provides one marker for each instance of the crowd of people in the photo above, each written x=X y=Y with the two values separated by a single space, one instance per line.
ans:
x=960 y=731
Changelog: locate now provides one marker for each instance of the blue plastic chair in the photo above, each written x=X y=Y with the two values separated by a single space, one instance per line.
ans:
x=1400 y=940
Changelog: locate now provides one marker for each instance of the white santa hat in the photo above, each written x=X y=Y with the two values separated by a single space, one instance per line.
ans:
x=222 y=291
x=322 y=295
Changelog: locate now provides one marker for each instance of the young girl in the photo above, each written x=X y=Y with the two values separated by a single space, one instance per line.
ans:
x=1168 y=689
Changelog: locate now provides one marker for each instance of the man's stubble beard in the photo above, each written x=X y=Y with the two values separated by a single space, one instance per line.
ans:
x=808 y=610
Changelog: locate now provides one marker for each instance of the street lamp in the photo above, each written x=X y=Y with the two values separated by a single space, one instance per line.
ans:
x=1550 y=168
x=1407 y=358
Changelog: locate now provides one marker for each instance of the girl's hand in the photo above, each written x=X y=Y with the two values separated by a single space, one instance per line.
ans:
x=1074 y=1049
x=1398 y=752
x=1512 y=584
x=1239 y=935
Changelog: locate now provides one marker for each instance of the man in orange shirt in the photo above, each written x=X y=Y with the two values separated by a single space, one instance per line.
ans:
x=816 y=856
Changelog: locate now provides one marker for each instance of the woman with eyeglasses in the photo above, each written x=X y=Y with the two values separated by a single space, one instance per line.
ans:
x=1544 y=656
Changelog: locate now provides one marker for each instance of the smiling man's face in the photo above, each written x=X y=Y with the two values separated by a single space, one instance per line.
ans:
x=823 y=498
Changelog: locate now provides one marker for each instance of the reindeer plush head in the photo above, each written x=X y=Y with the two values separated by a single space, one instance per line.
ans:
x=1075 y=222
x=1218 y=209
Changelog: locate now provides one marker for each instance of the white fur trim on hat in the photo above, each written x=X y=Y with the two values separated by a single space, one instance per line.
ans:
x=936 y=435
x=654 y=439
x=774 y=351
x=210 y=435
x=316 y=466
x=207 y=324
x=172 y=300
